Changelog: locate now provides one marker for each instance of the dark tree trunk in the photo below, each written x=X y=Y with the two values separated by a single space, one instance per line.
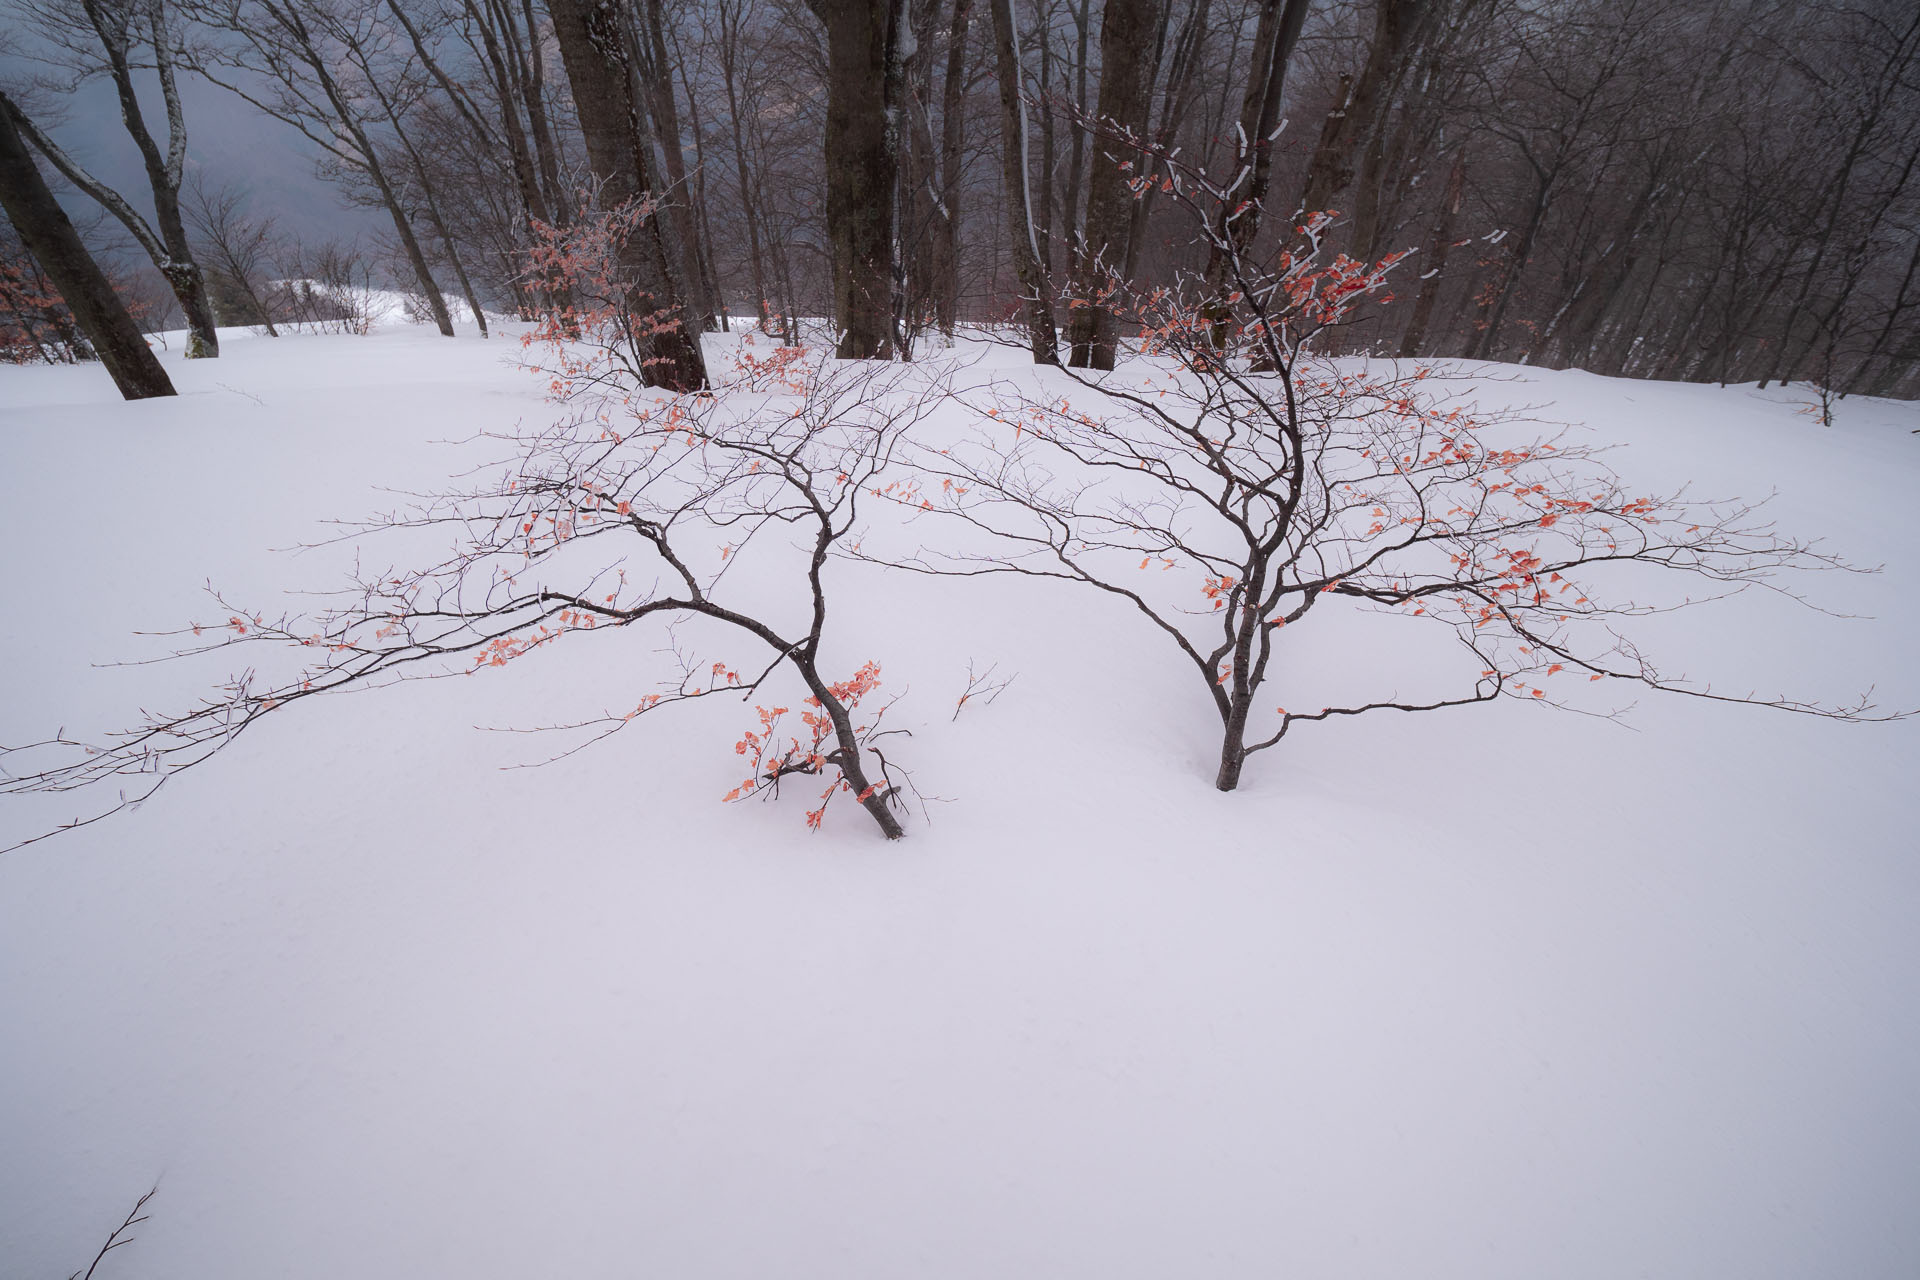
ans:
x=920 y=217
x=1049 y=150
x=1356 y=114
x=697 y=195
x=1035 y=294
x=1077 y=157
x=953 y=115
x=862 y=163
x=1233 y=751
x=1274 y=38
x=1507 y=277
x=1182 y=85
x=654 y=68
x=1126 y=38
x=167 y=246
x=533 y=92
x=1439 y=244
x=164 y=174
x=592 y=47
x=48 y=235
x=532 y=197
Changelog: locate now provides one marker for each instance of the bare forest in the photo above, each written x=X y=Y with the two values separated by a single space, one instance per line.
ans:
x=1700 y=190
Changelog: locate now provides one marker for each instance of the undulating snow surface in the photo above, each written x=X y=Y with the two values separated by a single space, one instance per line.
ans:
x=1498 y=992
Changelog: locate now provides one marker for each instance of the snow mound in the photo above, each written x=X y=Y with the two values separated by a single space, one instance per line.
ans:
x=1497 y=993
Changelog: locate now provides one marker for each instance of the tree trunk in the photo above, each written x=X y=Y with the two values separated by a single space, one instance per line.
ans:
x=1512 y=266
x=530 y=77
x=1439 y=244
x=862 y=163
x=168 y=247
x=588 y=32
x=1233 y=754
x=1126 y=34
x=1352 y=124
x=1048 y=147
x=1077 y=157
x=532 y=198
x=1183 y=82
x=653 y=67
x=729 y=67
x=1035 y=294
x=164 y=175
x=952 y=126
x=1278 y=30
x=48 y=235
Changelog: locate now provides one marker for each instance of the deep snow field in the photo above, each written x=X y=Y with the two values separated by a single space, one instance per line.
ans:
x=1493 y=992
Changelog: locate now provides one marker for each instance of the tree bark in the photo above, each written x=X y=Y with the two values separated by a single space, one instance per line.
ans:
x=729 y=68
x=49 y=236
x=595 y=54
x=862 y=168
x=653 y=66
x=1439 y=245
x=1353 y=122
x=167 y=246
x=1035 y=293
x=1274 y=38
x=1126 y=32
x=953 y=116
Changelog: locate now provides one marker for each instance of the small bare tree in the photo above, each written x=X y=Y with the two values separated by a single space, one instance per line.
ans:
x=237 y=246
x=630 y=509
x=1231 y=484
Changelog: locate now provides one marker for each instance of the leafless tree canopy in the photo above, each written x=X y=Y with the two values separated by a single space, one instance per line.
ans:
x=1703 y=189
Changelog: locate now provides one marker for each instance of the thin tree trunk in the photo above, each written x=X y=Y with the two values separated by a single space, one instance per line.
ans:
x=1273 y=42
x=952 y=130
x=532 y=83
x=653 y=68
x=729 y=70
x=1035 y=294
x=439 y=223
x=1049 y=152
x=697 y=196
x=167 y=246
x=1077 y=160
x=1439 y=245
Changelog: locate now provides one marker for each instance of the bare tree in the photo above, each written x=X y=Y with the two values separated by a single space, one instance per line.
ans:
x=49 y=236
x=1036 y=292
x=289 y=57
x=862 y=159
x=106 y=37
x=598 y=56
x=1226 y=505
x=1126 y=85
x=239 y=247
x=631 y=509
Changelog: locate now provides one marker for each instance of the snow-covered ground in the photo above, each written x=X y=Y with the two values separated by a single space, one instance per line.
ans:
x=1500 y=992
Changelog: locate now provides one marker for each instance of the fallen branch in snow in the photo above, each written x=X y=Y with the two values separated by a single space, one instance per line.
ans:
x=982 y=687
x=119 y=1235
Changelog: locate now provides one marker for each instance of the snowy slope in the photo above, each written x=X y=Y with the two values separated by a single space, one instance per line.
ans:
x=1500 y=992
